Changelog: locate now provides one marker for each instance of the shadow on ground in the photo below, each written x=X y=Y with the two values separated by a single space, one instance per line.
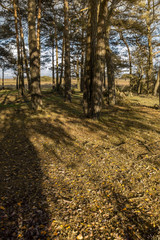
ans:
x=24 y=213
x=24 y=207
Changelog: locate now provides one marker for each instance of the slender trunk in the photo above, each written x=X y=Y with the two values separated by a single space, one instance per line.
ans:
x=17 y=82
x=67 y=76
x=88 y=68
x=17 y=40
x=104 y=79
x=62 y=61
x=3 y=68
x=77 y=75
x=56 y=38
x=82 y=60
x=150 y=50
x=53 y=80
x=110 y=72
x=39 y=37
x=150 y=61
x=139 y=85
x=34 y=57
x=157 y=83
x=22 y=72
x=24 y=50
x=129 y=52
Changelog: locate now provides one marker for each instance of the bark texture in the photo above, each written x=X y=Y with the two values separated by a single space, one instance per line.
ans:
x=34 y=57
x=67 y=73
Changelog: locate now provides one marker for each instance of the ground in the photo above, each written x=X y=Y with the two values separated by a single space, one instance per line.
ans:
x=66 y=177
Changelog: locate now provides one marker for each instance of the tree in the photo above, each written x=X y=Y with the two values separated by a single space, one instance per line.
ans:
x=34 y=57
x=67 y=74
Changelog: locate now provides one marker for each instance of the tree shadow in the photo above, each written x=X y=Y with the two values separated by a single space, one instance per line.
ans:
x=134 y=222
x=24 y=209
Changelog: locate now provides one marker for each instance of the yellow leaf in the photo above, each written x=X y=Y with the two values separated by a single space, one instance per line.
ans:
x=1 y=207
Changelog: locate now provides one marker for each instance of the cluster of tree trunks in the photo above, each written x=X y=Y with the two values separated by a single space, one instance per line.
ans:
x=97 y=53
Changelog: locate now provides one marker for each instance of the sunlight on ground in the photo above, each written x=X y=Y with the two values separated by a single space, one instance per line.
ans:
x=67 y=177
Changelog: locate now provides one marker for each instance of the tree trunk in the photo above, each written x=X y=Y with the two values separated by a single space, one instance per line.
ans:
x=56 y=38
x=110 y=72
x=95 y=58
x=15 y=3
x=99 y=61
x=77 y=75
x=17 y=82
x=62 y=61
x=34 y=57
x=157 y=83
x=129 y=52
x=3 y=77
x=39 y=37
x=67 y=74
x=104 y=77
x=53 y=80
x=82 y=60
x=90 y=55
x=22 y=72
x=150 y=50
x=24 y=50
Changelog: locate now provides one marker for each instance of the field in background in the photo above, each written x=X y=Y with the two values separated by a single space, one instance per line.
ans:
x=46 y=82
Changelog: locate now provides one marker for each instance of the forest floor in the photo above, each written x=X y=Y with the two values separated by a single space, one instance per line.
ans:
x=66 y=177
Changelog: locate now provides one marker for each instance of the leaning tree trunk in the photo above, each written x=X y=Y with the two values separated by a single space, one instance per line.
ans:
x=67 y=74
x=34 y=57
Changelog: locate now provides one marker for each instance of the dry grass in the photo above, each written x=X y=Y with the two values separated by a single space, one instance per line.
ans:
x=66 y=177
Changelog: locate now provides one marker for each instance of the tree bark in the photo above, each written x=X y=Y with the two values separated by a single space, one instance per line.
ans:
x=22 y=67
x=34 y=57
x=53 y=80
x=129 y=52
x=150 y=50
x=110 y=72
x=24 y=50
x=62 y=61
x=3 y=68
x=99 y=61
x=15 y=3
x=39 y=37
x=56 y=40
x=77 y=75
x=82 y=60
x=157 y=83
x=67 y=73
x=89 y=60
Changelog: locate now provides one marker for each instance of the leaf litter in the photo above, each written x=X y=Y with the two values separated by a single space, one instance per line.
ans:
x=66 y=177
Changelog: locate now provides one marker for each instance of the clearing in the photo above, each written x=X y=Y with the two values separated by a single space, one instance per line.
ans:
x=66 y=177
